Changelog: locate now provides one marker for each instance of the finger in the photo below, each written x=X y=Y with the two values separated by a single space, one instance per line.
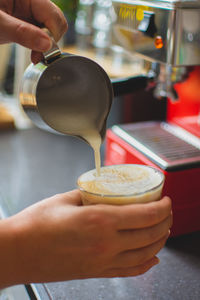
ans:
x=25 y=34
x=47 y=13
x=131 y=271
x=135 y=239
x=36 y=57
x=142 y=215
x=136 y=257
x=7 y=6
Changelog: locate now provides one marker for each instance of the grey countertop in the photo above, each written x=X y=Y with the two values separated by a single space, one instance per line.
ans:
x=37 y=164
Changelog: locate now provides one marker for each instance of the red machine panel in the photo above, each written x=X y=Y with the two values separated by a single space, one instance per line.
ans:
x=186 y=111
x=182 y=185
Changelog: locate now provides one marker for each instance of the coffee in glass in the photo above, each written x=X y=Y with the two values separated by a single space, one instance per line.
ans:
x=121 y=184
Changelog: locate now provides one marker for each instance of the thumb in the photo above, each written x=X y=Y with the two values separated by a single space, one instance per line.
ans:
x=23 y=33
x=72 y=197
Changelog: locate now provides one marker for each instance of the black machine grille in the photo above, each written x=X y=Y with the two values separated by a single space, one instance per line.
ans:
x=154 y=140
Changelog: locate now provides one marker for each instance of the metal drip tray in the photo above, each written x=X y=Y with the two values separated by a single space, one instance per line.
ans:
x=169 y=146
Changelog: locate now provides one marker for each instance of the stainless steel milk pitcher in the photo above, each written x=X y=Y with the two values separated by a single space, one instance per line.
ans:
x=66 y=92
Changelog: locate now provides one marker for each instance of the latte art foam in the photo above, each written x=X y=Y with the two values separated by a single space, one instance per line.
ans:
x=121 y=180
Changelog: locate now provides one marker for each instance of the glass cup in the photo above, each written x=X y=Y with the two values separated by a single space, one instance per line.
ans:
x=121 y=184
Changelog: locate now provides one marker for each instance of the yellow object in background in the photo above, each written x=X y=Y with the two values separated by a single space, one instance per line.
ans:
x=6 y=119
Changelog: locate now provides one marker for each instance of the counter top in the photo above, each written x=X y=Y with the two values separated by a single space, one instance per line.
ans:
x=36 y=164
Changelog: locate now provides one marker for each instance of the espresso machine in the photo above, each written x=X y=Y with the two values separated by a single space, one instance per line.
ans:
x=165 y=33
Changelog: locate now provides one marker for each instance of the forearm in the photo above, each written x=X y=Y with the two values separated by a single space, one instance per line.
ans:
x=9 y=254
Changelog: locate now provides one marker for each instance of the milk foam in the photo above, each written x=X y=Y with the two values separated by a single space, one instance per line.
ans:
x=121 y=180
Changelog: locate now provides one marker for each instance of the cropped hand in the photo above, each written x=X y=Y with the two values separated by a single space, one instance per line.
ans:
x=59 y=239
x=20 y=21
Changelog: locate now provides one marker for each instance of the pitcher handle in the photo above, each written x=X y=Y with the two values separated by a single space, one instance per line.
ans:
x=52 y=53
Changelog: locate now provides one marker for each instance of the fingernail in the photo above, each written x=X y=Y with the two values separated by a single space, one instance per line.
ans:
x=43 y=44
x=156 y=260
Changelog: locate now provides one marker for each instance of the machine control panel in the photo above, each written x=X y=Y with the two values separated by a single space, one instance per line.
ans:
x=147 y=25
x=140 y=24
